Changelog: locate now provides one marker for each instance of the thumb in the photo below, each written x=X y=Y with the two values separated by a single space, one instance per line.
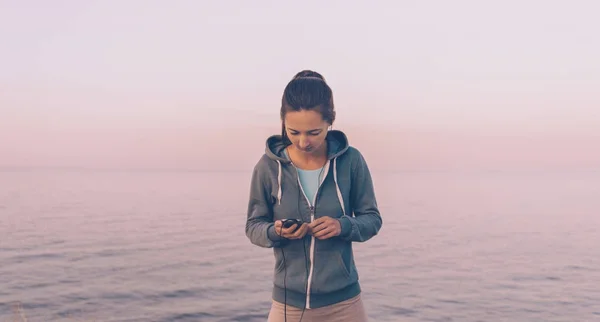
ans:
x=316 y=222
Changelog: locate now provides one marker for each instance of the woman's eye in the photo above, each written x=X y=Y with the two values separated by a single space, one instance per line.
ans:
x=311 y=133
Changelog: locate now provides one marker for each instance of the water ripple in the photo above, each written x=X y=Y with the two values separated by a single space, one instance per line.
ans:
x=161 y=247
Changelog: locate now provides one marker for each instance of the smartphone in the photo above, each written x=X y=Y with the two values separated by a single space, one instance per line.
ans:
x=287 y=223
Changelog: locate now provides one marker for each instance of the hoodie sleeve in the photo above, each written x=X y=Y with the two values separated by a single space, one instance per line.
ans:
x=367 y=220
x=260 y=228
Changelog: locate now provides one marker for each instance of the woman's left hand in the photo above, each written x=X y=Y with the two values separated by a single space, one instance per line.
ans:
x=325 y=227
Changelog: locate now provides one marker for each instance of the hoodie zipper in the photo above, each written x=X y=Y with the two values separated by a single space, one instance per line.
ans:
x=312 y=238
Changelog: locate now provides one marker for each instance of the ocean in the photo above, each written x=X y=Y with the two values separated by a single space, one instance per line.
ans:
x=83 y=245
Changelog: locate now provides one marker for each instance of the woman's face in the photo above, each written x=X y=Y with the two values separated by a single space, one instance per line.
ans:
x=306 y=129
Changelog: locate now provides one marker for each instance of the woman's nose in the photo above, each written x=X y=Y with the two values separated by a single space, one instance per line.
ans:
x=304 y=143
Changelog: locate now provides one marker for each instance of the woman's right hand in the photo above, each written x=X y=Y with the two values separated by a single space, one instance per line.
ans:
x=289 y=232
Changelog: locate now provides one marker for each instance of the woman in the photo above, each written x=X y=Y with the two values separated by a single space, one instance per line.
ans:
x=312 y=174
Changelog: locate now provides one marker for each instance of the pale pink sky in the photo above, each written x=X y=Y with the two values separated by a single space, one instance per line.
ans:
x=181 y=84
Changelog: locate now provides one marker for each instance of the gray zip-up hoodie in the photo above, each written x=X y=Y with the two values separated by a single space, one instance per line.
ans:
x=317 y=272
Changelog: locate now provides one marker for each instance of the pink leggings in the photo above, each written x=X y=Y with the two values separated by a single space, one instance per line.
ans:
x=351 y=310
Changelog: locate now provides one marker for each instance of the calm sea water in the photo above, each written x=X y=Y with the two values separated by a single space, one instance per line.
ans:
x=168 y=246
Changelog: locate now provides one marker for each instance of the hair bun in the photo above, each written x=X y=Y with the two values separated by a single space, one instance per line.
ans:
x=309 y=74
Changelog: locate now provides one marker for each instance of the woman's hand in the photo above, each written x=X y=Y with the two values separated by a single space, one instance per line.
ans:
x=289 y=232
x=325 y=227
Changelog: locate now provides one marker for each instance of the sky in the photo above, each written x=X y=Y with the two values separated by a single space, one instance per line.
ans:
x=196 y=85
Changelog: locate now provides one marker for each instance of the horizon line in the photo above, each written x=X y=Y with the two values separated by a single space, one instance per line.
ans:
x=249 y=170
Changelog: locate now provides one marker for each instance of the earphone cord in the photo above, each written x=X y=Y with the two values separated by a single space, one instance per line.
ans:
x=306 y=267
x=304 y=244
x=285 y=278
x=305 y=261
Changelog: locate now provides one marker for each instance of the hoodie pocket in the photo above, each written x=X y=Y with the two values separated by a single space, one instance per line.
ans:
x=291 y=267
x=330 y=273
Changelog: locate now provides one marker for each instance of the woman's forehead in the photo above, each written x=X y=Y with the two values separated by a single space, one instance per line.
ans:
x=304 y=120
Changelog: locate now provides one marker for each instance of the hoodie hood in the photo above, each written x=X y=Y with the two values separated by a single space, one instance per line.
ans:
x=337 y=144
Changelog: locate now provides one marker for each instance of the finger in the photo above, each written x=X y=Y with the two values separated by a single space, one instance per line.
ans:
x=292 y=231
x=322 y=232
x=277 y=224
x=322 y=225
x=278 y=228
x=317 y=230
x=328 y=235
x=318 y=221
x=318 y=224
x=301 y=231
x=288 y=232
x=331 y=231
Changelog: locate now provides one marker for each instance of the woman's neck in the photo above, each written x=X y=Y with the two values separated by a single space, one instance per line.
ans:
x=308 y=161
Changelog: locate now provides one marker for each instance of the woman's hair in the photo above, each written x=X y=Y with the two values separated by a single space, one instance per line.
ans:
x=307 y=91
